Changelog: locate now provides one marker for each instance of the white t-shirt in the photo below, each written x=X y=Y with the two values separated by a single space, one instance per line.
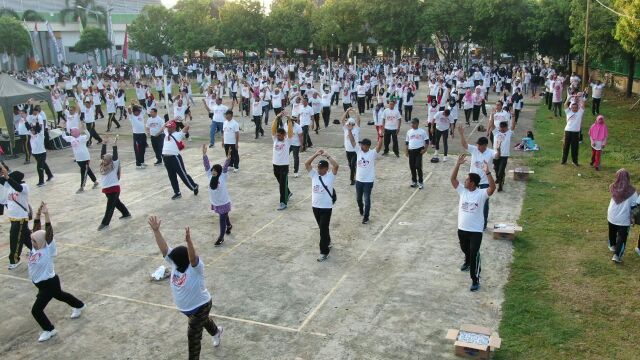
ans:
x=574 y=120
x=505 y=137
x=281 y=151
x=442 y=122
x=170 y=147
x=366 y=166
x=79 y=147
x=477 y=160
x=416 y=138
x=137 y=123
x=319 y=196
x=220 y=195
x=218 y=112
x=187 y=288
x=391 y=119
x=470 y=209
x=110 y=179
x=620 y=214
x=14 y=198
x=229 y=130
x=347 y=142
x=37 y=143
x=297 y=130
x=40 y=262
x=501 y=116
x=305 y=113
x=154 y=124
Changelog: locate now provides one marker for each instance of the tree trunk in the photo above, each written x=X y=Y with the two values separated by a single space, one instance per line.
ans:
x=630 y=76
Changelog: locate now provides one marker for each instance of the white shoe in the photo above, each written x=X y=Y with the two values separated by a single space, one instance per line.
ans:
x=638 y=251
x=236 y=170
x=46 y=335
x=420 y=186
x=612 y=248
x=444 y=159
x=139 y=167
x=616 y=258
x=77 y=311
x=144 y=165
x=295 y=175
x=13 y=266
x=217 y=336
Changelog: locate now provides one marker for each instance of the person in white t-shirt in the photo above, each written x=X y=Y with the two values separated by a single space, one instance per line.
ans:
x=623 y=199
x=281 y=145
x=351 y=123
x=417 y=141
x=231 y=139
x=323 y=196
x=597 y=89
x=110 y=171
x=111 y=111
x=218 y=193
x=296 y=142
x=154 y=127
x=136 y=117
x=188 y=288
x=17 y=204
x=78 y=142
x=365 y=174
x=391 y=122
x=470 y=217
x=173 y=144
x=36 y=139
x=42 y=251
x=502 y=146
x=574 y=112
x=480 y=153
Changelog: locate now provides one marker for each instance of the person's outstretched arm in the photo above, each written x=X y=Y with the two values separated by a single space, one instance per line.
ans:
x=193 y=257
x=463 y=140
x=454 y=173
x=154 y=223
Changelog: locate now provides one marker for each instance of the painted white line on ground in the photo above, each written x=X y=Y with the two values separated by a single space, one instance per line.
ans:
x=346 y=274
x=142 y=302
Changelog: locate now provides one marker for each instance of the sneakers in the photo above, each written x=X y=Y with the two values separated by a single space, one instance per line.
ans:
x=612 y=248
x=296 y=175
x=235 y=170
x=365 y=220
x=157 y=163
x=353 y=182
x=420 y=186
x=465 y=267
x=196 y=190
x=123 y=217
x=282 y=206
x=13 y=266
x=219 y=242
x=616 y=258
x=50 y=178
x=95 y=185
x=229 y=229
x=475 y=286
x=139 y=167
x=46 y=335
x=40 y=184
x=77 y=311
x=323 y=257
x=102 y=227
x=414 y=185
x=176 y=196
x=80 y=191
x=290 y=196
x=444 y=159
x=217 y=336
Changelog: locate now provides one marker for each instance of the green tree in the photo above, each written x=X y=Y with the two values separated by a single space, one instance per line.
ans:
x=9 y=12
x=289 y=24
x=448 y=22
x=628 y=34
x=242 y=24
x=394 y=24
x=92 y=39
x=339 y=23
x=602 y=23
x=31 y=15
x=193 y=28
x=150 y=32
x=20 y=43
x=552 y=35
x=80 y=9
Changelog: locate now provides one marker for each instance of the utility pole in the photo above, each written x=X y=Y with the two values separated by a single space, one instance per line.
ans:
x=585 y=59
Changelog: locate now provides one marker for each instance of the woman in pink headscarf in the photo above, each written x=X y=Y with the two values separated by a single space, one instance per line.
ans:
x=467 y=102
x=598 y=134
x=623 y=198
x=78 y=142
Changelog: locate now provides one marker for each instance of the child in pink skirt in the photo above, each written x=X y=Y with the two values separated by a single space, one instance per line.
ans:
x=598 y=134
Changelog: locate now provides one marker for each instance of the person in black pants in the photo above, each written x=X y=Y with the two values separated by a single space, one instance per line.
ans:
x=173 y=160
x=574 y=113
x=417 y=142
x=42 y=250
x=322 y=197
x=281 y=145
x=110 y=171
x=37 y=144
x=17 y=212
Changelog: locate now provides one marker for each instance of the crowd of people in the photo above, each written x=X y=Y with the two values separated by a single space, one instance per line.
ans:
x=381 y=92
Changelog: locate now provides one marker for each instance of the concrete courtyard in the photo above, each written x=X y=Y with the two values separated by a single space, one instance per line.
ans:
x=389 y=290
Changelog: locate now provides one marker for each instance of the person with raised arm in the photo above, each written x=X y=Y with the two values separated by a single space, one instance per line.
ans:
x=218 y=193
x=351 y=123
x=110 y=171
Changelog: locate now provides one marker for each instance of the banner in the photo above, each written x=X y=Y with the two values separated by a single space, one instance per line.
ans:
x=55 y=42
x=34 y=36
x=125 y=46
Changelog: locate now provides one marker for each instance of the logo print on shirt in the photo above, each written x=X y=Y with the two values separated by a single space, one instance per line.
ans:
x=469 y=206
x=278 y=146
x=363 y=162
x=34 y=257
x=178 y=280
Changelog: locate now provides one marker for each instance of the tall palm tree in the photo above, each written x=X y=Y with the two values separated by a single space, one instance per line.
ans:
x=78 y=9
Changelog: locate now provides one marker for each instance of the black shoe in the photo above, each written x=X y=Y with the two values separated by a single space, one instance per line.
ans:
x=465 y=267
x=51 y=178
x=353 y=182
x=128 y=216
x=229 y=229
x=219 y=242
x=361 y=211
x=500 y=188
x=40 y=184
x=365 y=220
x=102 y=227
x=475 y=286
x=157 y=163
x=397 y=155
x=176 y=196
x=196 y=190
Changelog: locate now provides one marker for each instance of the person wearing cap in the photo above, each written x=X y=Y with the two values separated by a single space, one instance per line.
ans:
x=42 y=251
x=173 y=160
x=391 y=123
x=322 y=196
x=190 y=294
x=139 y=134
x=480 y=153
x=350 y=124
x=470 y=222
x=417 y=141
x=365 y=173
x=281 y=145
x=231 y=139
x=78 y=142
x=18 y=212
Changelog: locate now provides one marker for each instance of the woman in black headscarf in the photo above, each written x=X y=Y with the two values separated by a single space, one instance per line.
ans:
x=187 y=286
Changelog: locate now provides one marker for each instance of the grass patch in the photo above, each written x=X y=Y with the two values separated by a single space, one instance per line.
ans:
x=565 y=298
